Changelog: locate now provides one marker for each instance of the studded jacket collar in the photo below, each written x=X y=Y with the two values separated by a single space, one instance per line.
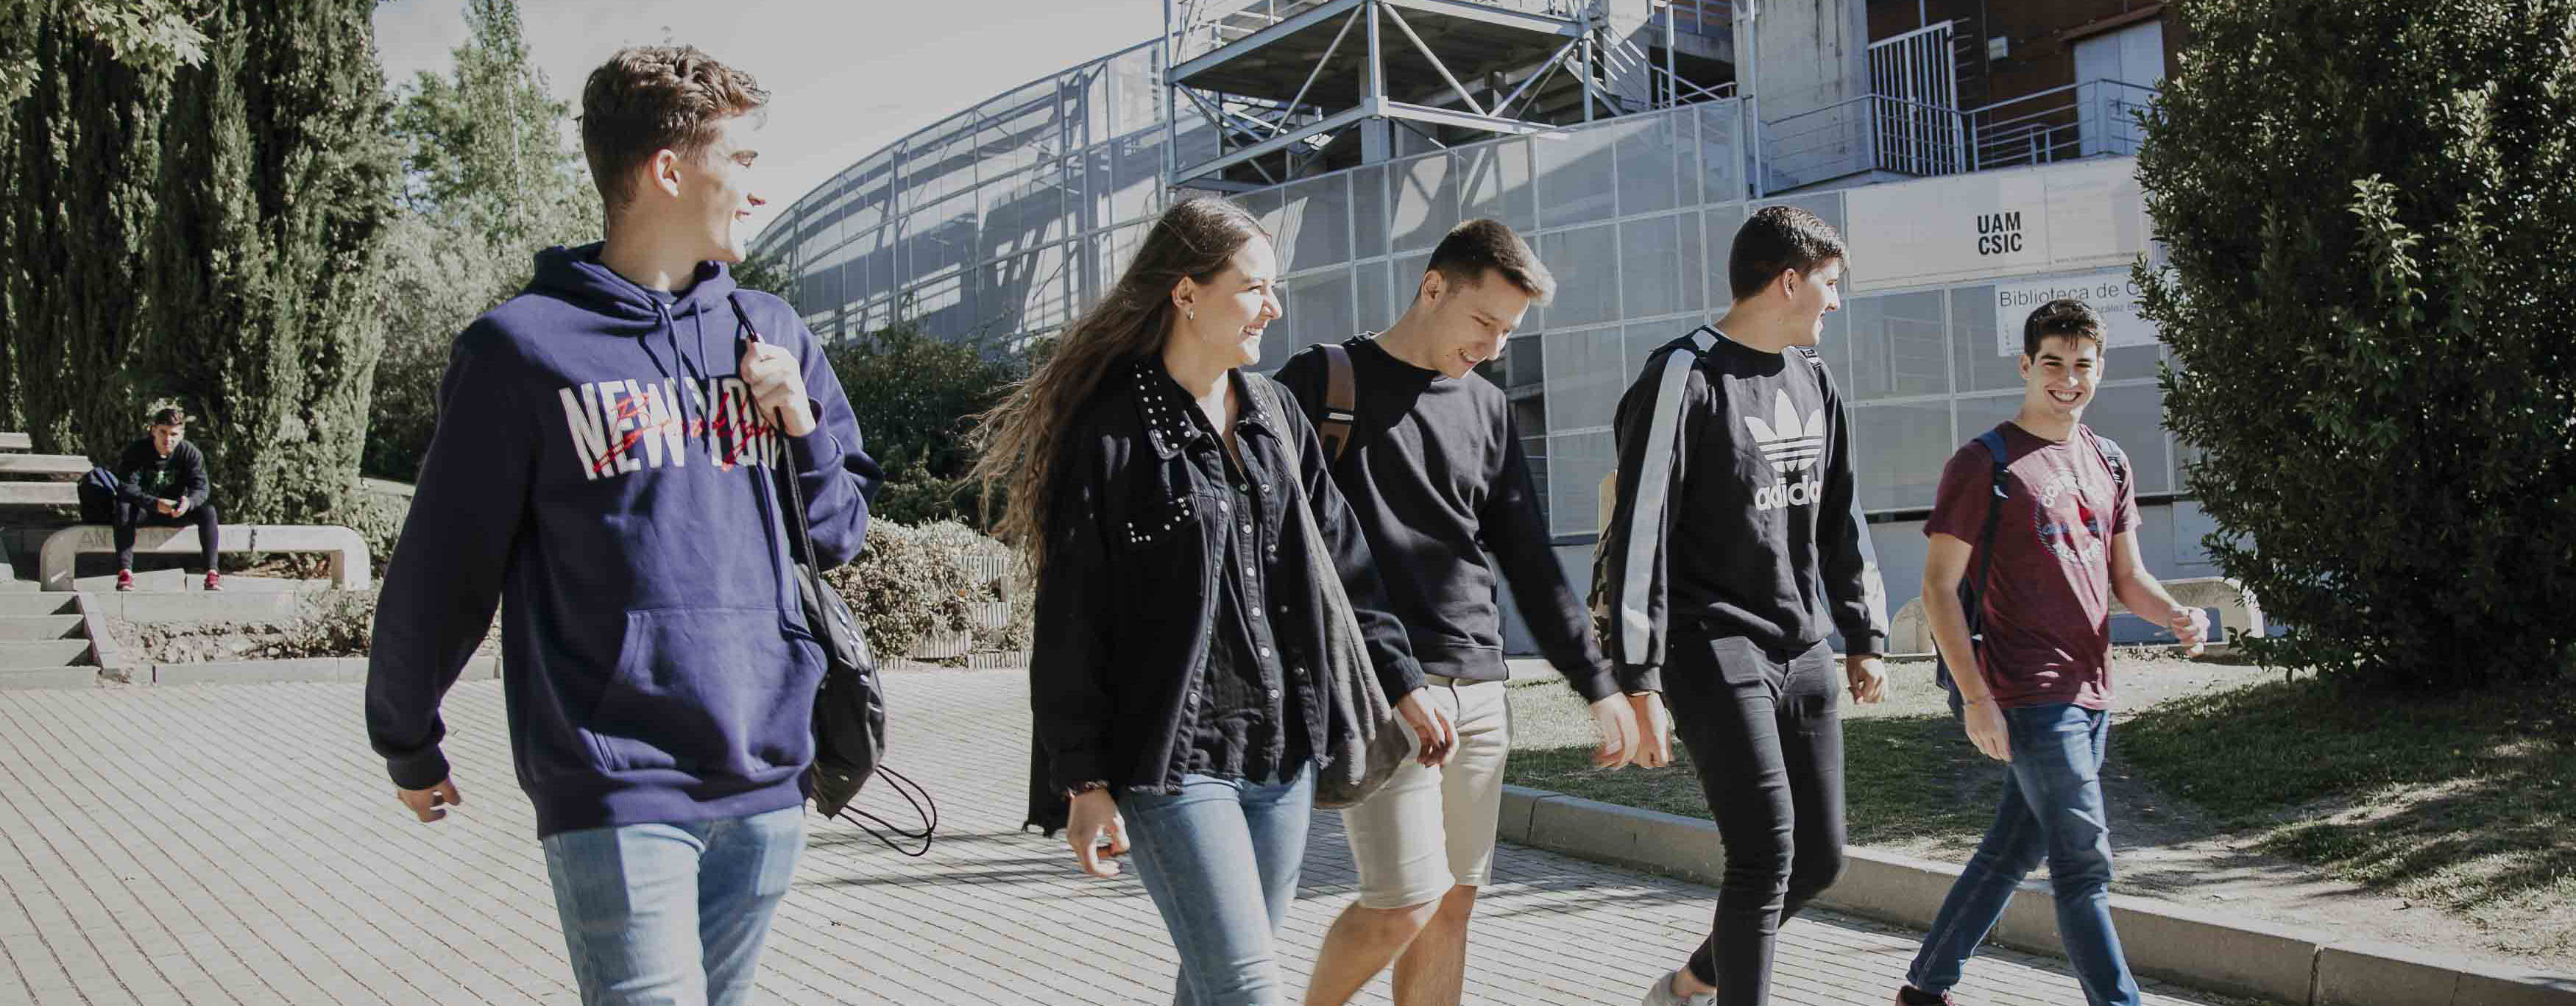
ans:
x=1126 y=606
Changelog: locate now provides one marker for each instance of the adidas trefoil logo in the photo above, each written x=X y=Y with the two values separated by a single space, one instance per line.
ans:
x=1790 y=446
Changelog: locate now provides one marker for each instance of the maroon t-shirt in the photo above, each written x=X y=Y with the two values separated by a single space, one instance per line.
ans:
x=2048 y=595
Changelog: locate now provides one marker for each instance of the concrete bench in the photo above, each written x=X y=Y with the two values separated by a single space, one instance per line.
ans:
x=52 y=467
x=61 y=494
x=350 y=569
x=17 y=442
x=1910 y=633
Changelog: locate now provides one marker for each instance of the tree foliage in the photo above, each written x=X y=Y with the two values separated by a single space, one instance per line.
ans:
x=767 y=276
x=489 y=179
x=147 y=36
x=915 y=395
x=207 y=233
x=2369 y=208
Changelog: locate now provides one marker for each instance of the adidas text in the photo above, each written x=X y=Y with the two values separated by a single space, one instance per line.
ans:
x=1798 y=493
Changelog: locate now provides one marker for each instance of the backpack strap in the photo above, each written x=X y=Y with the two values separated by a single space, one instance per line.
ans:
x=1341 y=401
x=1993 y=442
x=2112 y=456
x=1972 y=601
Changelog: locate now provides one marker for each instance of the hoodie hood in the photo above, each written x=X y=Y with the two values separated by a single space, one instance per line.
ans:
x=576 y=275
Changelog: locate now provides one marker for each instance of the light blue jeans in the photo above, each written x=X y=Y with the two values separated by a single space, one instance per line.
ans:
x=1221 y=861
x=2052 y=810
x=672 y=914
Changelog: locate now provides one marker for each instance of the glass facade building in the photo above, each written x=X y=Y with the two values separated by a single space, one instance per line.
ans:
x=1001 y=222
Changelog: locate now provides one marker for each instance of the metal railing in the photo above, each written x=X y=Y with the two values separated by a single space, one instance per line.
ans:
x=1877 y=132
x=1873 y=132
x=2095 y=118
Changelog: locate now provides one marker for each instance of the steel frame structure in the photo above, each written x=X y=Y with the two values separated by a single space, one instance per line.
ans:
x=1204 y=35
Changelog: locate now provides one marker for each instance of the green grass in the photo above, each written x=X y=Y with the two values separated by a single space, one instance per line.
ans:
x=2467 y=803
x=1909 y=774
x=2464 y=802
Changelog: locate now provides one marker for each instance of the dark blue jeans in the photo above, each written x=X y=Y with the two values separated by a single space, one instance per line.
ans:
x=2053 y=810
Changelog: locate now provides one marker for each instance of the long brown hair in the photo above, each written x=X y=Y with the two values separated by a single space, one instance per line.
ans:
x=1019 y=441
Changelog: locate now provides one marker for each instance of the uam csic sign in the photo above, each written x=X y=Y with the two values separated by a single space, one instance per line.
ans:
x=2112 y=294
x=1994 y=225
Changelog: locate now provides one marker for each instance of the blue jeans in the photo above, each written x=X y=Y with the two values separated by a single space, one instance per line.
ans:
x=672 y=914
x=2052 y=809
x=1221 y=861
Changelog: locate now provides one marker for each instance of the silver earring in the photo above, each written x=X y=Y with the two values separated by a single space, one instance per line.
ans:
x=1193 y=314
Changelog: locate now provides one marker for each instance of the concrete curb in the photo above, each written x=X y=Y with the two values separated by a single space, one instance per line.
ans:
x=2216 y=951
x=240 y=672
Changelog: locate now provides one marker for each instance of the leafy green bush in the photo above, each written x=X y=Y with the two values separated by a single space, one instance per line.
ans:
x=2369 y=208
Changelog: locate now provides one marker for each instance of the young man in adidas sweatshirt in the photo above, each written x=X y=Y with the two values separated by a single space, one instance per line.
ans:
x=1734 y=548
x=607 y=462
x=1431 y=462
x=2038 y=519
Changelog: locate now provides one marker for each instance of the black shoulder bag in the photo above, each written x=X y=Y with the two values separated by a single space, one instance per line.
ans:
x=849 y=705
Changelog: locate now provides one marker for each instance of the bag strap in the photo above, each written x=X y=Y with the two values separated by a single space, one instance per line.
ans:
x=1341 y=401
x=2116 y=459
x=802 y=533
x=1998 y=454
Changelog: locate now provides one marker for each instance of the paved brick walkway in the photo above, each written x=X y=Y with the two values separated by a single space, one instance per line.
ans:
x=239 y=844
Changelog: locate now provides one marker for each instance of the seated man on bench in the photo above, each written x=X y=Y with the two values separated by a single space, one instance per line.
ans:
x=161 y=482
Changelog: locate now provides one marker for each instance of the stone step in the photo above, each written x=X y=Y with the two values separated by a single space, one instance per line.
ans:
x=44 y=653
x=53 y=467
x=40 y=627
x=48 y=677
x=38 y=604
x=63 y=494
x=16 y=442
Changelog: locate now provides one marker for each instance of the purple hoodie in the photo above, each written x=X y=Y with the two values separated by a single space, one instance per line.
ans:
x=600 y=467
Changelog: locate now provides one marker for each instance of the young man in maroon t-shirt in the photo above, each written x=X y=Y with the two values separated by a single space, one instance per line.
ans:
x=2041 y=561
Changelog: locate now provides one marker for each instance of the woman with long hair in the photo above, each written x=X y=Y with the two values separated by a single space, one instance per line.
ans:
x=1178 y=672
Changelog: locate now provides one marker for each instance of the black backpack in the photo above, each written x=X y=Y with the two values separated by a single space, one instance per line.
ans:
x=1972 y=590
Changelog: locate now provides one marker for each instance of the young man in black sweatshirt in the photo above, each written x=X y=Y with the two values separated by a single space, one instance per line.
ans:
x=1735 y=547
x=161 y=482
x=1428 y=457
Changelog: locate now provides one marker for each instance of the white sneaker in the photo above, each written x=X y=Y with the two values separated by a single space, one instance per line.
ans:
x=1662 y=994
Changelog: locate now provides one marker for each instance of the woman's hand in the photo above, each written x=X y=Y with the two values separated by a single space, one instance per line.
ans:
x=1430 y=726
x=1093 y=823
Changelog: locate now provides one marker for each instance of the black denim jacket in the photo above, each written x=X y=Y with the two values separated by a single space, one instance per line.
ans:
x=1126 y=607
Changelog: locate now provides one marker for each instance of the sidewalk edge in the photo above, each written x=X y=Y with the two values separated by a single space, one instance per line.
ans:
x=2220 y=952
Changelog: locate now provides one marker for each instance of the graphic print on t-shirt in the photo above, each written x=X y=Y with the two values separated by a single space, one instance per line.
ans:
x=2059 y=536
x=1790 y=445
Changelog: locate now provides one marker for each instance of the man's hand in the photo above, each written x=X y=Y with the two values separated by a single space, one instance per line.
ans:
x=1430 y=726
x=1095 y=818
x=179 y=507
x=1868 y=676
x=1654 y=729
x=2191 y=626
x=1616 y=722
x=1986 y=729
x=431 y=804
x=167 y=508
x=778 y=383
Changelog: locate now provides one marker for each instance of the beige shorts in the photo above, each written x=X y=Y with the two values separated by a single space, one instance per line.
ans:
x=1431 y=829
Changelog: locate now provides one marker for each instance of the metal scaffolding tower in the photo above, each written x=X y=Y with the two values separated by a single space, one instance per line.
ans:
x=1296 y=87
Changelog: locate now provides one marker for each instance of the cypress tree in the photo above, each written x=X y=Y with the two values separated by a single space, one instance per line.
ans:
x=210 y=236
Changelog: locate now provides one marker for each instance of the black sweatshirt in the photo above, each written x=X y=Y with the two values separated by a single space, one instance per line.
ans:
x=1737 y=513
x=1435 y=471
x=143 y=475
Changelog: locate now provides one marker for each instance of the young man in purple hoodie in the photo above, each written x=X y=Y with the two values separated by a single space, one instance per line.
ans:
x=608 y=462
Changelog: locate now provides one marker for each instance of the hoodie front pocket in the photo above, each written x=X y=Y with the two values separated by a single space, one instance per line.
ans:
x=714 y=692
